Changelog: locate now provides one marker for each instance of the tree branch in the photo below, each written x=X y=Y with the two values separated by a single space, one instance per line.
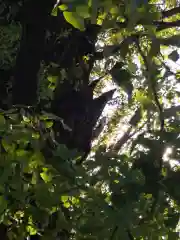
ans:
x=164 y=25
x=171 y=12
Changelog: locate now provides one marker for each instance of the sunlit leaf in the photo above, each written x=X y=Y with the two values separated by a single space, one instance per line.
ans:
x=31 y=229
x=64 y=198
x=52 y=79
x=47 y=177
x=63 y=7
x=67 y=205
x=49 y=124
x=74 y=19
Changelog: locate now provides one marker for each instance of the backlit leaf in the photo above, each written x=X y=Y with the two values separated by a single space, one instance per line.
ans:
x=74 y=19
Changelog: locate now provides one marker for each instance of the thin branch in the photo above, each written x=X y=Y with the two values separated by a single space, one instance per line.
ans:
x=130 y=235
x=122 y=140
x=160 y=25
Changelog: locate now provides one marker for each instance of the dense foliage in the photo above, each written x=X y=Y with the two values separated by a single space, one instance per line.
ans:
x=89 y=120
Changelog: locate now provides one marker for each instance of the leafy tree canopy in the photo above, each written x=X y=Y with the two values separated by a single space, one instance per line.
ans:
x=89 y=120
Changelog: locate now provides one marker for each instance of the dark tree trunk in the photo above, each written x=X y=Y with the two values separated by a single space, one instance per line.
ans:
x=34 y=17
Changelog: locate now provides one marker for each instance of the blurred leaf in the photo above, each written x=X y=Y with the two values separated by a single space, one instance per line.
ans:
x=63 y=7
x=74 y=19
x=54 y=12
x=31 y=230
x=67 y=204
x=141 y=97
x=52 y=79
x=49 y=124
x=47 y=177
x=9 y=147
x=83 y=11
x=170 y=3
x=64 y=198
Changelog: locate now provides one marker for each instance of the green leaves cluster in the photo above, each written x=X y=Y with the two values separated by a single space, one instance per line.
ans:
x=126 y=190
x=9 y=41
x=111 y=195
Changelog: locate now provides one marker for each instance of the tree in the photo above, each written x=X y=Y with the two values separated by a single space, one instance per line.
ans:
x=57 y=181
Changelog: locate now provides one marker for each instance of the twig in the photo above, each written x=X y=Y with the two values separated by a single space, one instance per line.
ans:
x=130 y=234
x=113 y=233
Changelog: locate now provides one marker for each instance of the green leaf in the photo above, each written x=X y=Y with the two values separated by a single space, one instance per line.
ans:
x=64 y=198
x=49 y=124
x=47 y=177
x=74 y=19
x=114 y=10
x=54 y=12
x=67 y=204
x=31 y=230
x=141 y=97
x=21 y=153
x=170 y=3
x=133 y=67
x=7 y=146
x=63 y=7
x=83 y=11
x=44 y=197
x=53 y=79
x=63 y=152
